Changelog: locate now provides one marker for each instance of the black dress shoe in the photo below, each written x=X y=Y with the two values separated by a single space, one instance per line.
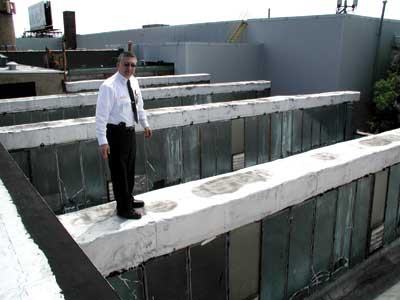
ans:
x=132 y=214
x=137 y=203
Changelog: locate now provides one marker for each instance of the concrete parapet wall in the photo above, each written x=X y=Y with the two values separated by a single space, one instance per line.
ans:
x=206 y=89
x=90 y=98
x=175 y=216
x=62 y=160
x=144 y=82
x=64 y=131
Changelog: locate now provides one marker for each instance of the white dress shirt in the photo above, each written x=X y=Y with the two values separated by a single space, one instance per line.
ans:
x=114 y=105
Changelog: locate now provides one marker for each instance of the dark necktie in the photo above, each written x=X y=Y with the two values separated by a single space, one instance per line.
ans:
x=133 y=102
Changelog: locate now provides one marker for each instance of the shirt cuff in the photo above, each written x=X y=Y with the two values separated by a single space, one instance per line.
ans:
x=102 y=140
x=144 y=123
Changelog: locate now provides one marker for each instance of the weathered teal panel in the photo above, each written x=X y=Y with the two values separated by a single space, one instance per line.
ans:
x=208 y=269
x=129 y=285
x=169 y=102
x=287 y=131
x=24 y=117
x=45 y=175
x=250 y=141
x=297 y=128
x=7 y=119
x=325 y=120
x=341 y=122
x=195 y=99
x=237 y=136
x=56 y=114
x=324 y=229
x=150 y=104
x=163 y=102
x=140 y=166
x=87 y=111
x=173 y=151
x=349 y=122
x=71 y=112
x=191 y=153
x=316 y=116
x=274 y=256
x=344 y=223
x=120 y=287
x=94 y=176
x=208 y=150
x=188 y=100
x=362 y=209
x=252 y=94
x=301 y=229
x=276 y=136
x=379 y=198
x=167 y=276
x=39 y=116
x=141 y=179
x=263 y=139
x=223 y=97
x=263 y=93
x=244 y=273
x=306 y=131
x=224 y=145
x=332 y=124
x=392 y=205
x=21 y=157
x=69 y=166
x=156 y=159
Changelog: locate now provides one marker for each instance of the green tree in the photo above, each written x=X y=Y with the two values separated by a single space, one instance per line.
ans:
x=386 y=109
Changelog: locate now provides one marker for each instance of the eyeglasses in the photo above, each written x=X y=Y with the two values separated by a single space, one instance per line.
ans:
x=128 y=64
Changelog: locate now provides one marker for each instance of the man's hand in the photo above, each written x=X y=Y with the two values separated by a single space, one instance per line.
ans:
x=104 y=150
x=147 y=132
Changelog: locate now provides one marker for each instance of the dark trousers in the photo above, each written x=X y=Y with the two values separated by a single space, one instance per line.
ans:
x=122 y=143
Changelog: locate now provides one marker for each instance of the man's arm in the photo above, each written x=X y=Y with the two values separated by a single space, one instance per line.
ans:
x=103 y=108
x=142 y=114
x=104 y=150
x=148 y=132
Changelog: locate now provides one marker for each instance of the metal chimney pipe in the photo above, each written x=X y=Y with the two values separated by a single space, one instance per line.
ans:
x=7 y=32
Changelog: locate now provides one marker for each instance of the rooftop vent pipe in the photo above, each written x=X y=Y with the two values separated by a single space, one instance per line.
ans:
x=12 y=65
x=3 y=61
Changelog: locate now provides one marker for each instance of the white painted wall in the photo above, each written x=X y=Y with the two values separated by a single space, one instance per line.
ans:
x=300 y=54
x=224 y=61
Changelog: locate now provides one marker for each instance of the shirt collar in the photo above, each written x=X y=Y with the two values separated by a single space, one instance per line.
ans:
x=122 y=78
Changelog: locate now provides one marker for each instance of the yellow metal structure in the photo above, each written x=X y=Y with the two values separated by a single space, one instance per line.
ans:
x=235 y=36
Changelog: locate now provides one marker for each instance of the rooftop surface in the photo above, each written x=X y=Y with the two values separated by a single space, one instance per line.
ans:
x=24 y=69
x=26 y=273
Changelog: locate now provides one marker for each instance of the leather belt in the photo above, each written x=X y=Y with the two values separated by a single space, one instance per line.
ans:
x=121 y=126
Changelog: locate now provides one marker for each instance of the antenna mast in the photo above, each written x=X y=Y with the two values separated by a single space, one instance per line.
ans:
x=342 y=8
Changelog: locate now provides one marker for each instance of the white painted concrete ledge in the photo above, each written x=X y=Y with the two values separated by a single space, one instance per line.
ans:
x=186 y=214
x=87 y=85
x=25 y=272
x=64 y=131
x=90 y=98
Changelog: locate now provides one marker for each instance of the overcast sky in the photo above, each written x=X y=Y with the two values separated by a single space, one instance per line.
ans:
x=99 y=16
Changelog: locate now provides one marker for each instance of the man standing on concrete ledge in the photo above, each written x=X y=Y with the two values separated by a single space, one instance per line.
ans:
x=119 y=108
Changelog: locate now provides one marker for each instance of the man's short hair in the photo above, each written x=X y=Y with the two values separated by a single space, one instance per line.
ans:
x=125 y=54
